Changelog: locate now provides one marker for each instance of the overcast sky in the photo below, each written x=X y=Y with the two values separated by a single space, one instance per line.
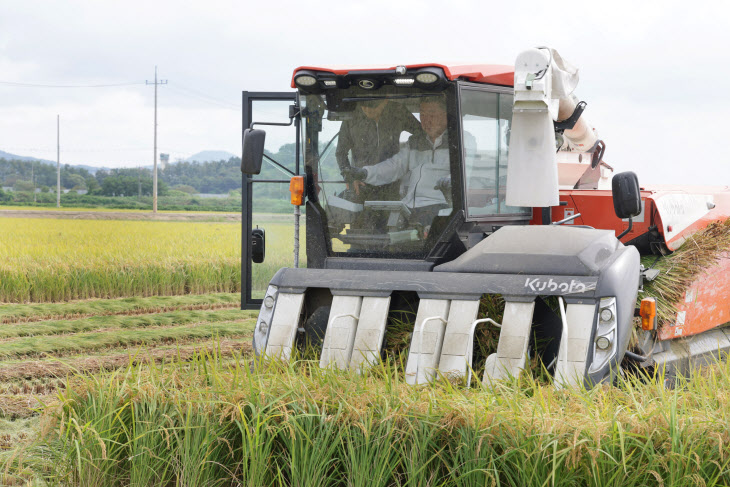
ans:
x=655 y=74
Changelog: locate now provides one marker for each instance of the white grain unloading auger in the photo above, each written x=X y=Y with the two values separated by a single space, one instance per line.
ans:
x=491 y=209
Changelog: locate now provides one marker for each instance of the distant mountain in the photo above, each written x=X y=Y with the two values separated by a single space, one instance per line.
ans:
x=210 y=155
x=8 y=156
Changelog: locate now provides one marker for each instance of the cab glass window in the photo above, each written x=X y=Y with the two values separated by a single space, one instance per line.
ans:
x=376 y=158
x=486 y=119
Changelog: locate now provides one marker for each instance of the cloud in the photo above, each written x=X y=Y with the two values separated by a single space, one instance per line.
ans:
x=652 y=72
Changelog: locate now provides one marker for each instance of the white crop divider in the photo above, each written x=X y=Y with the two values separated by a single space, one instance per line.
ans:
x=420 y=343
x=335 y=318
x=563 y=339
x=471 y=343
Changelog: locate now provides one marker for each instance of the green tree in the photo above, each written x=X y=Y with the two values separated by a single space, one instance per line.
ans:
x=21 y=185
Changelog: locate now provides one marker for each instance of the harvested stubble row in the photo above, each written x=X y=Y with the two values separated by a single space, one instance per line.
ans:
x=119 y=322
x=212 y=422
x=23 y=313
x=77 y=342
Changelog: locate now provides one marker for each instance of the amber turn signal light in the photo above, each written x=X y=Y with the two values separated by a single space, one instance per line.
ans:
x=648 y=314
x=296 y=188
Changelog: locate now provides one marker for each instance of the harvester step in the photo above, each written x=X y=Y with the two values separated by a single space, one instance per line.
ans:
x=284 y=325
x=428 y=335
x=455 y=351
x=513 y=340
x=370 y=332
x=339 y=338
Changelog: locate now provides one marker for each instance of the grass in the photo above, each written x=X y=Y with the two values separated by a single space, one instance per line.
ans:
x=214 y=422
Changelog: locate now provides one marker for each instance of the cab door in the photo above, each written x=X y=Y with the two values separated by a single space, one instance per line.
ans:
x=268 y=217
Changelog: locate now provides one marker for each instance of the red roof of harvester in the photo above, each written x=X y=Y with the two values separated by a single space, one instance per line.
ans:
x=497 y=74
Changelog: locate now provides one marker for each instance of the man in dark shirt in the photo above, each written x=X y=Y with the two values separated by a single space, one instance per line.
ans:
x=373 y=135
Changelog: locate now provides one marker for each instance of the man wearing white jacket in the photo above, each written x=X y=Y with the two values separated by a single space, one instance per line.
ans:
x=422 y=164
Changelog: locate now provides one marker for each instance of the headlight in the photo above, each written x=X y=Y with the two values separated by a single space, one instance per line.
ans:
x=403 y=81
x=261 y=332
x=426 y=78
x=604 y=344
x=606 y=315
x=305 y=80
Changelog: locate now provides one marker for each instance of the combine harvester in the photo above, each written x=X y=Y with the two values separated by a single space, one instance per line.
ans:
x=476 y=202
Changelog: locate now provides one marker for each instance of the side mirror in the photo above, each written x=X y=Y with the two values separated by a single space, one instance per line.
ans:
x=626 y=195
x=253 y=151
x=258 y=245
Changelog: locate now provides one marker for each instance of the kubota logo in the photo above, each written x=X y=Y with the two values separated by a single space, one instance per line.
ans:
x=539 y=285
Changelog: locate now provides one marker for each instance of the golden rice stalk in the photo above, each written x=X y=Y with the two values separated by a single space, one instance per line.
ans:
x=679 y=270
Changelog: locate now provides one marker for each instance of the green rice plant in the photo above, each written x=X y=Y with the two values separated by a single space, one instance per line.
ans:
x=256 y=428
x=310 y=442
x=468 y=459
x=295 y=424
x=198 y=447
x=420 y=452
x=369 y=452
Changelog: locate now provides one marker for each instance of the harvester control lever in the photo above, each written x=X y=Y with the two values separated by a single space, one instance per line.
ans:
x=570 y=122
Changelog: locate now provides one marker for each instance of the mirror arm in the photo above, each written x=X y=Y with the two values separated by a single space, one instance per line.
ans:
x=291 y=121
x=631 y=226
x=279 y=165
x=293 y=113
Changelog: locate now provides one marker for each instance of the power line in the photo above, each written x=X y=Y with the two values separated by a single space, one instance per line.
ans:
x=36 y=85
x=205 y=98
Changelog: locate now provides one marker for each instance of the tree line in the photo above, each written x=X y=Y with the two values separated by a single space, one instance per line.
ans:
x=220 y=177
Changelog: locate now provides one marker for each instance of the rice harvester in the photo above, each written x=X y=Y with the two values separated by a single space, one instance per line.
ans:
x=513 y=197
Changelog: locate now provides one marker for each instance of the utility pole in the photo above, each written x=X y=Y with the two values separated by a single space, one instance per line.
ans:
x=58 y=161
x=154 y=160
x=32 y=177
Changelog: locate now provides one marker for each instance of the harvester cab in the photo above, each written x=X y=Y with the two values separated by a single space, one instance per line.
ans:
x=426 y=189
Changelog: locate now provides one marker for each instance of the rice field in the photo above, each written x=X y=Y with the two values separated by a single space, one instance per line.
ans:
x=44 y=346
x=211 y=421
x=146 y=381
x=55 y=260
